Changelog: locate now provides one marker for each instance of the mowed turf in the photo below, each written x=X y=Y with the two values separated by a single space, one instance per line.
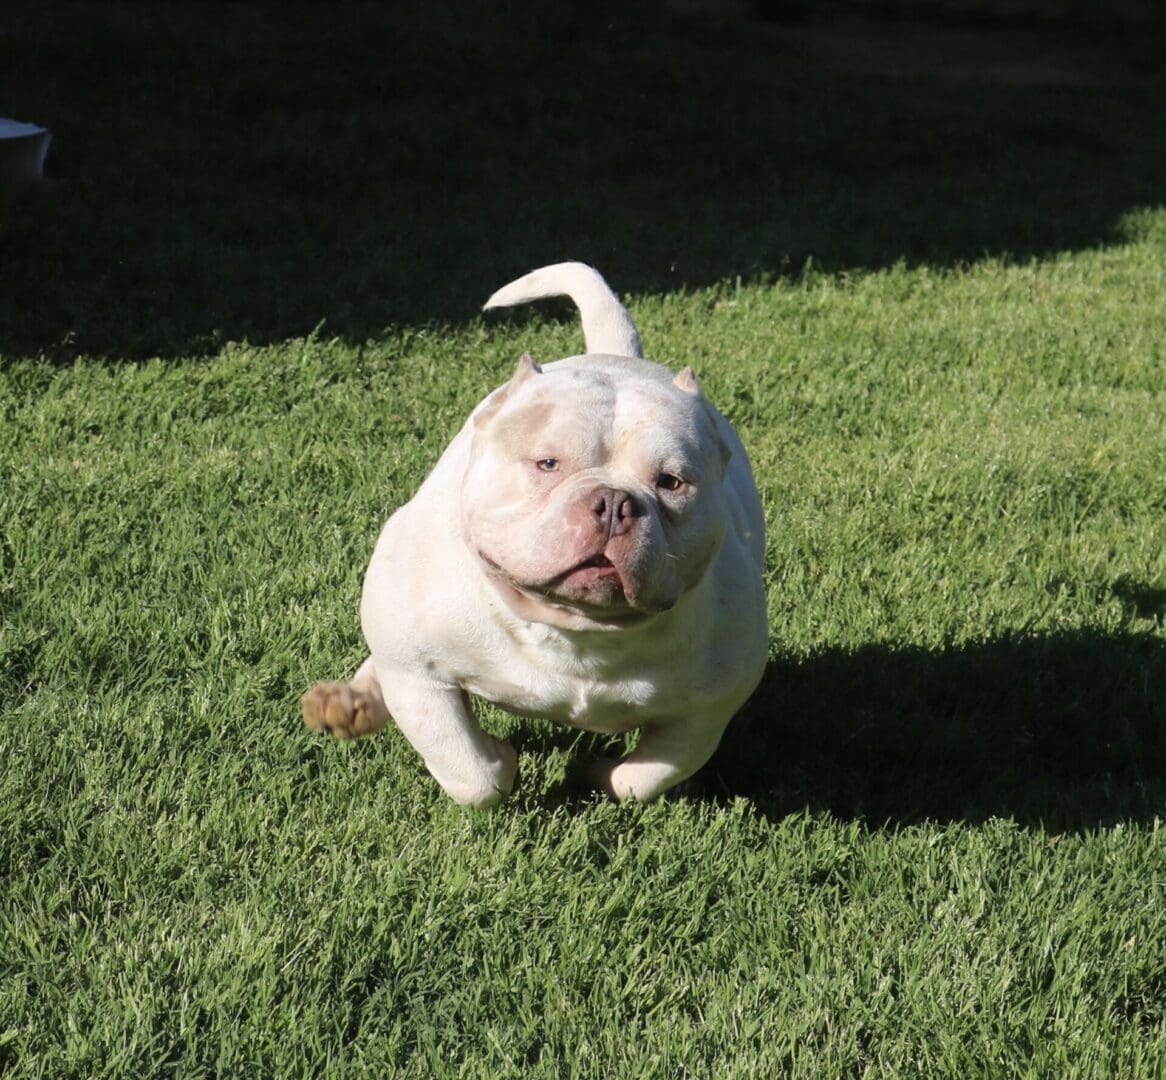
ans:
x=932 y=843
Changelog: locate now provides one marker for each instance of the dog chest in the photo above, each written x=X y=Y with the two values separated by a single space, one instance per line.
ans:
x=603 y=705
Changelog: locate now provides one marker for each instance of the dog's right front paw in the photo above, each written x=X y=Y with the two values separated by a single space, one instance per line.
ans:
x=342 y=710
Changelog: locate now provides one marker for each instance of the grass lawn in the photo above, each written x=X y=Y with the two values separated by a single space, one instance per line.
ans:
x=237 y=329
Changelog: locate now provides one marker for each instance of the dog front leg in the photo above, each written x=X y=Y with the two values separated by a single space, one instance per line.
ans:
x=473 y=767
x=347 y=710
x=667 y=753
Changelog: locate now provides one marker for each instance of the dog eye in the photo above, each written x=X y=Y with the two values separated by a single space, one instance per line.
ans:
x=669 y=482
x=547 y=464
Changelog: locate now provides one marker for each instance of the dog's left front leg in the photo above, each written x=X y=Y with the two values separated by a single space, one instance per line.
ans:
x=667 y=753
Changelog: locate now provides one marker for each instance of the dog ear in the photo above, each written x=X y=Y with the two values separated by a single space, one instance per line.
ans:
x=687 y=381
x=525 y=370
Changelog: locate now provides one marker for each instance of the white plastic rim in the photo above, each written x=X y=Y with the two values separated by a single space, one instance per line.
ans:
x=15 y=129
x=23 y=148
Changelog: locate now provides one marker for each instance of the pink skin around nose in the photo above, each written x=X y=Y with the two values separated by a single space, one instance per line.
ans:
x=604 y=521
x=612 y=512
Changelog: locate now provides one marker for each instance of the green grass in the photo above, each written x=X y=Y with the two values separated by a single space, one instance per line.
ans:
x=932 y=843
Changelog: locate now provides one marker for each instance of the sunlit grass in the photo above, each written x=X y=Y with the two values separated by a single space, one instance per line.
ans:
x=931 y=846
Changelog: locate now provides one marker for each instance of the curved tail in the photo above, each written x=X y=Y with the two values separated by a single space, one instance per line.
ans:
x=607 y=327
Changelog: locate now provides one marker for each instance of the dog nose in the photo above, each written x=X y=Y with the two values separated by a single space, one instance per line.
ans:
x=614 y=511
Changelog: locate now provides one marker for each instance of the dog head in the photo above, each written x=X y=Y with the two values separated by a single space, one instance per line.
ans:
x=594 y=496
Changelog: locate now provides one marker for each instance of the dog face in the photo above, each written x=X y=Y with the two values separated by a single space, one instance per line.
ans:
x=594 y=502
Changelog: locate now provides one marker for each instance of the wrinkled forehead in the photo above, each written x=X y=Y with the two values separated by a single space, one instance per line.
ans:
x=583 y=412
x=660 y=422
x=572 y=406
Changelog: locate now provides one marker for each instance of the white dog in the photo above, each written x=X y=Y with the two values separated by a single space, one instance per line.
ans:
x=588 y=549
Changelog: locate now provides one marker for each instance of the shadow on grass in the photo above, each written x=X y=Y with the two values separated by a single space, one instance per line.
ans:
x=1063 y=732
x=247 y=171
x=1067 y=731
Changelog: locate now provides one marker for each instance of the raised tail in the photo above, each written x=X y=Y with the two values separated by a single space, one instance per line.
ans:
x=607 y=327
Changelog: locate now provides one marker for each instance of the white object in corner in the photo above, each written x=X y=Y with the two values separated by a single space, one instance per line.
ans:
x=22 y=150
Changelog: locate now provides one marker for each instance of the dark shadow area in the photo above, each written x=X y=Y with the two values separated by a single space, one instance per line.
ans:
x=1063 y=732
x=1142 y=601
x=246 y=171
x=1066 y=731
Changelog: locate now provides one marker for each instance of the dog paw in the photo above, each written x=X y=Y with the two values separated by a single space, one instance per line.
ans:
x=495 y=782
x=342 y=710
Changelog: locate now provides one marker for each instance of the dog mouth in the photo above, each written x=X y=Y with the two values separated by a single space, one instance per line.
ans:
x=595 y=568
x=592 y=587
